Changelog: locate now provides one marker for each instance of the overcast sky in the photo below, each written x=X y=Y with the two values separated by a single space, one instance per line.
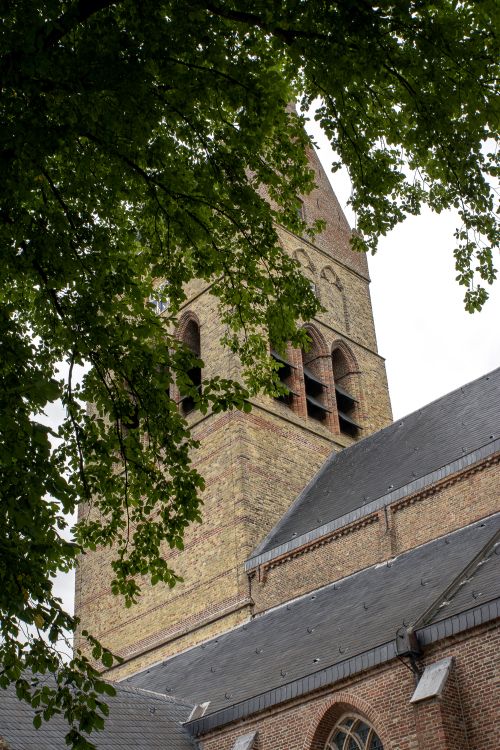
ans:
x=430 y=343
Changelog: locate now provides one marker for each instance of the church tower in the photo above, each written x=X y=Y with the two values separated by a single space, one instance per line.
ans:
x=254 y=464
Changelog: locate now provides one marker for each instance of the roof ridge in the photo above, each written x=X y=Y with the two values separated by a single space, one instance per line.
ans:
x=463 y=576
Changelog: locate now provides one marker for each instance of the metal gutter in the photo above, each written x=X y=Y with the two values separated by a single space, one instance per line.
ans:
x=366 y=660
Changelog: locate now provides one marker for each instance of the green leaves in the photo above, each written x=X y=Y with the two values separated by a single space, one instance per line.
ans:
x=147 y=142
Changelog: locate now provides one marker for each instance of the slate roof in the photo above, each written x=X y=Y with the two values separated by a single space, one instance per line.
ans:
x=137 y=719
x=453 y=431
x=314 y=633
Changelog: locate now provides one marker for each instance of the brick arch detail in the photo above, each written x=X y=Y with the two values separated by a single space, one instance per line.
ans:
x=334 y=297
x=303 y=257
x=318 y=339
x=346 y=350
x=330 y=711
x=328 y=274
x=186 y=318
x=323 y=368
x=354 y=377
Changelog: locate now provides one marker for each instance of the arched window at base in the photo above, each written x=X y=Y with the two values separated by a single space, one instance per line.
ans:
x=353 y=733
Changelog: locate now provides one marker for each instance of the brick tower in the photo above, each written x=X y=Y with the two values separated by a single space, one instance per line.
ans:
x=254 y=464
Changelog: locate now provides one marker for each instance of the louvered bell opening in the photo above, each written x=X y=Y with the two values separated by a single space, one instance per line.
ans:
x=316 y=409
x=315 y=389
x=284 y=373
x=348 y=425
x=314 y=386
x=346 y=405
x=345 y=401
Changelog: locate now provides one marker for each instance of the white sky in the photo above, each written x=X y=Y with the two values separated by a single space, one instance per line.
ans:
x=430 y=343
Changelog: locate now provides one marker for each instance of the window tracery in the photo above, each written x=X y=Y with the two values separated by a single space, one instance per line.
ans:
x=353 y=733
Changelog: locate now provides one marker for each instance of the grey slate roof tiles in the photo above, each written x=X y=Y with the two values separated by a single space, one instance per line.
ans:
x=137 y=719
x=480 y=585
x=328 y=626
x=317 y=635
x=415 y=446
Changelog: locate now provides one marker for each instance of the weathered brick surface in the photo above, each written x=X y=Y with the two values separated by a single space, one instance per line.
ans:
x=457 y=501
x=338 y=556
x=322 y=203
x=465 y=718
x=254 y=465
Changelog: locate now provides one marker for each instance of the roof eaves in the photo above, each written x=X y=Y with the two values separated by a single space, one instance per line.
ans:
x=464 y=462
x=427 y=635
x=291 y=690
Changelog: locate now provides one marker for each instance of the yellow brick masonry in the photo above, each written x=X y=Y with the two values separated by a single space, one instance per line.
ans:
x=254 y=465
x=460 y=499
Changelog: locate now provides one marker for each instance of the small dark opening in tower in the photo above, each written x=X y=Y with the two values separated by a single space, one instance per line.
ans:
x=191 y=339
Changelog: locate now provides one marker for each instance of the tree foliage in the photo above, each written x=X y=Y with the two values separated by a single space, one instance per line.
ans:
x=138 y=143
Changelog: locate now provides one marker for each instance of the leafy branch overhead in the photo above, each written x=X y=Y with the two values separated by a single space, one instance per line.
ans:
x=153 y=141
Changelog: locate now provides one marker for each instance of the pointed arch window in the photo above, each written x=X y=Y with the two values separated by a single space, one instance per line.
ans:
x=353 y=733
x=191 y=338
x=345 y=393
x=314 y=382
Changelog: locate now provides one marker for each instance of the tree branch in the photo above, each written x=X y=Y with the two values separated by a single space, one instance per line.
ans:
x=77 y=14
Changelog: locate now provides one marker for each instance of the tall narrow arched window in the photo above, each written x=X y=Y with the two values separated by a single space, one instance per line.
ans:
x=191 y=338
x=346 y=391
x=315 y=381
x=353 y=733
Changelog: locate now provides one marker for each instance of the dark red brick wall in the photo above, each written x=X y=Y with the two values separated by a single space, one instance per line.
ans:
x=466 y=717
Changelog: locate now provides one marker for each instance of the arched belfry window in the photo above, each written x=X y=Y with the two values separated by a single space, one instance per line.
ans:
x=315 y=382
x=191 y=338
x=353 y=733
x=287 y=374
x=346 y=391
